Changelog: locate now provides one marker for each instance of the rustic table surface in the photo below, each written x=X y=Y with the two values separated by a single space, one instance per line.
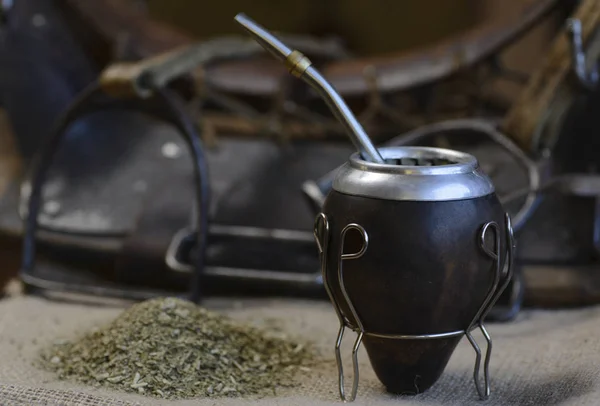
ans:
x=542 y=358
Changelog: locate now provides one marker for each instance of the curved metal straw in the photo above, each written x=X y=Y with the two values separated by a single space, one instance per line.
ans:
x=321 y=233
x=301 y=67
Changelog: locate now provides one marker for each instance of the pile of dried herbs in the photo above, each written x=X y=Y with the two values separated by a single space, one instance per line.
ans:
x=171 y=348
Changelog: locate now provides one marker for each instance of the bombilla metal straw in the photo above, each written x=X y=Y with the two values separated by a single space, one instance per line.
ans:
x=301 y=67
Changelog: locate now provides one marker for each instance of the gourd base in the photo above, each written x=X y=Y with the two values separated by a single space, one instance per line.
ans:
x=407 y=366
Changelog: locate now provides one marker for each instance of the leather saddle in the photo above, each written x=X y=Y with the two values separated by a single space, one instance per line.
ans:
x=122 y=189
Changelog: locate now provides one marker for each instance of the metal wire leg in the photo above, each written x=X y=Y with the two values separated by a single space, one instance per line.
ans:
x=493 y=295
x=359 y=326
x=321 y=233
x=484 y=393
x=338 y=357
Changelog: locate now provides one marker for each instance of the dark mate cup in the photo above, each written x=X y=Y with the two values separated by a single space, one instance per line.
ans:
x=414 y=253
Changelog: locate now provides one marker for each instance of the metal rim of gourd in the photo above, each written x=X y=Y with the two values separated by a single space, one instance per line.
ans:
x=414 y=160
x=414 y=174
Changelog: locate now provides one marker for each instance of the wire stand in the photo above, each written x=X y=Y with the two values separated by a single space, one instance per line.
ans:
x=321 y=233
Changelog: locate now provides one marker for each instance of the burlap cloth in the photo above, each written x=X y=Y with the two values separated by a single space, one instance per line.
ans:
x=543 y=358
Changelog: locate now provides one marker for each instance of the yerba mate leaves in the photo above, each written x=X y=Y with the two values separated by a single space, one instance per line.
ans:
x=171 y=348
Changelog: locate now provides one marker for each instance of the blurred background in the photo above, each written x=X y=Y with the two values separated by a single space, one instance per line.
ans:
x=262 y=134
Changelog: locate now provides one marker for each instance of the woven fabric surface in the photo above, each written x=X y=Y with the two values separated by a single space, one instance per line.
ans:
x=542 y=358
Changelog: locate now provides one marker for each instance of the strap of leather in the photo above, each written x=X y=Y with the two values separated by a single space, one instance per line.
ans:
x=142 y=258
